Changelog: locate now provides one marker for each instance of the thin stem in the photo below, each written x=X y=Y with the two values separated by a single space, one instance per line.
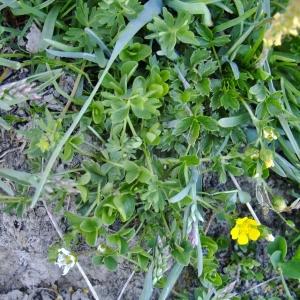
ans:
x=252 y=212
x=73 y=93
x=131 y=126
x=60 y=234
x=166 y=223
x=252 y=116
x=125 y=285
x=217 y=58
x=261 y=284
x=286 y=288
x=87 y=281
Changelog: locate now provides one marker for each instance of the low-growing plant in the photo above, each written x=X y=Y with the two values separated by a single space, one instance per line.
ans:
x=166 y=96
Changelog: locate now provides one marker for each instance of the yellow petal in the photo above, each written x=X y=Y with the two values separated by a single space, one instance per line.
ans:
x=254 y=234
x=240 y=221
x=243 y=239
x=234 y=233
x=252 y=222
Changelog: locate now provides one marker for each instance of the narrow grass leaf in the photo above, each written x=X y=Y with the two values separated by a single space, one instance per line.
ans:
x=240 y=9
x=94 y=37
x=290 y=135
x=6 y=188
x=19 y=176
x=15 y=65
x=183 y=193
x=148 y=284
x=199 y=254
x=48 y=27
x=235 y=21
x=61 y=46
x=171 y=280
x=151 y=9
x=67 y=54
x=4 y=124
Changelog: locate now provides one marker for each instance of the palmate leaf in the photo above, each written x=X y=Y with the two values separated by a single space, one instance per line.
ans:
x=151 y=9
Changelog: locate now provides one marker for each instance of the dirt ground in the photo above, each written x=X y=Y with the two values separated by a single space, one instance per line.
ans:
x=25 y=272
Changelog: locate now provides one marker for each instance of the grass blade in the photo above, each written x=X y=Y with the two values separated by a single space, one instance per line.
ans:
x=148 y=285
x=171 y=280
x=48 y=27
x=6 y=188
x=240 y=9
x=19 y=176
x=94 y=37
x=15 y=65
x=4 y=124
x=61 y=46
x=290 y=135
x=151 y=9
x=235 y=21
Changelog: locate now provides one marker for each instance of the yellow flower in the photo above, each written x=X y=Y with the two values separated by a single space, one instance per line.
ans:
x=43 y=144
x=245 y=229
x=269 y=163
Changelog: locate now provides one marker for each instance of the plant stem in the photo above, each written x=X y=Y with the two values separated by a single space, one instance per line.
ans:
x=125 y=285
x=60 y=234
x=252 y=212
x=286 y=288
x=131 y=126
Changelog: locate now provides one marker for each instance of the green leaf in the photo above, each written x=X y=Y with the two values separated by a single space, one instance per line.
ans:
x=110 y=262
x=234 y=121
x=90 y=225
x=4 y=124
x=229 y=100
x=48 y=27
x=190 y=160
x=171 y=280
x=208 y=123
x=203 y=87
x=194 y=8
x=135 y=52
x=236 y=21
x=259 y=91
x=291 y=269
x=182 y=253
x=132 y=171
x=19 y=177
x=125 y=204
x=6 y=188
x=244 y=197
x=148 y=285
x=83 y=193
x=279 y=244
x=91 y=238
x=194 y=132
x=98 y=112
x=74 y=219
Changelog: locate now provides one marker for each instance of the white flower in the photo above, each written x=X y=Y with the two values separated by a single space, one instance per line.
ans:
x=270 y=237
x=65 y=260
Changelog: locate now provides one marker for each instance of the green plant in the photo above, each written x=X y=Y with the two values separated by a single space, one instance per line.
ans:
x=159 y=103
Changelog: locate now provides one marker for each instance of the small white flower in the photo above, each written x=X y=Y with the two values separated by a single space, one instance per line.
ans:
x=65 y=260
x=270 y=237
